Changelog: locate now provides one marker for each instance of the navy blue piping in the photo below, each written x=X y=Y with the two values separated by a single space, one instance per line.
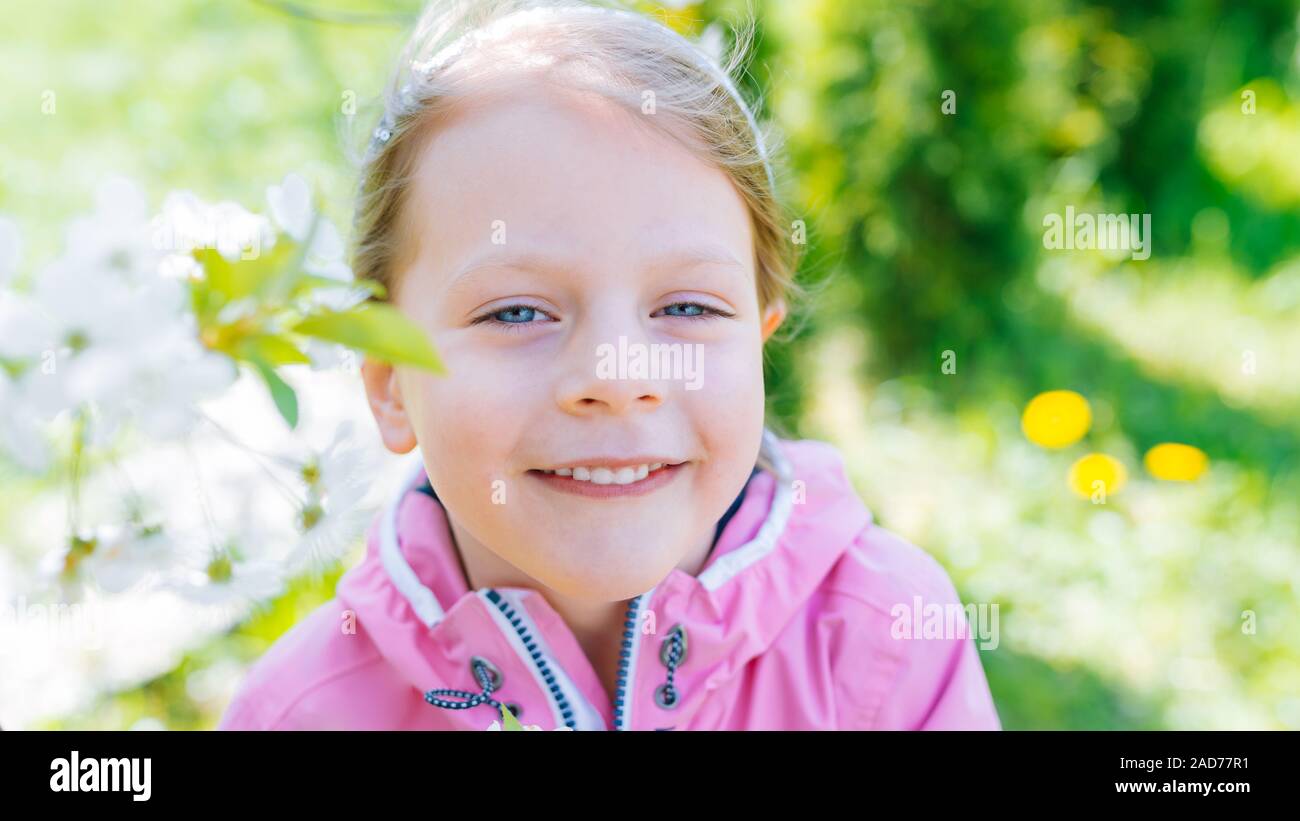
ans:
x=625 y=661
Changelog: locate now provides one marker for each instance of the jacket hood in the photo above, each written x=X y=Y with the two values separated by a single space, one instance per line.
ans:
x=798 y=516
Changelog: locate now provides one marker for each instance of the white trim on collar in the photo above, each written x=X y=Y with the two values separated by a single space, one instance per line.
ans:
x=422 y=601
x=725 y=567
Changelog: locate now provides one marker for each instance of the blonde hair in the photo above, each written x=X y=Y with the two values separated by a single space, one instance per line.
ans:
x=463 y=47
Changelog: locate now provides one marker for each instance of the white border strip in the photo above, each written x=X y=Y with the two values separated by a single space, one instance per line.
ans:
x=521 y=650
x=508 y=630
x=726 y=567
x=421 y=598
x=630 y=685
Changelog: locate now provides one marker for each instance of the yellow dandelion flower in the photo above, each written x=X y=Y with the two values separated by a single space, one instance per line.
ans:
x=1097 y=476
x=1176 y=463
x=1056 y=419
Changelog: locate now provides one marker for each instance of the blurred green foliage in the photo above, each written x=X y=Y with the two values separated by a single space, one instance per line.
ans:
x=925 y=235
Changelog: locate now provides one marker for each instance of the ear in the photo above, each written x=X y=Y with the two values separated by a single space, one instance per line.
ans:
x=384 y=393
x=773 y=317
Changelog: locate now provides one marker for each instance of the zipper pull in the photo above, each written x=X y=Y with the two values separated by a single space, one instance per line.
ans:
x=672 y=653
x=488 y=676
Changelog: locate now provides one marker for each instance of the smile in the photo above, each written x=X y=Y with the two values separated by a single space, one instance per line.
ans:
x=608 y=476
x=610 y=480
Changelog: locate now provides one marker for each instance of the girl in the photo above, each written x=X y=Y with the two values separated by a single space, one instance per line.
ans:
x=577 y=206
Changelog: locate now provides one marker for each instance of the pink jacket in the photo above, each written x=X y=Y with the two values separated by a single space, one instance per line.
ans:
x=789 y=626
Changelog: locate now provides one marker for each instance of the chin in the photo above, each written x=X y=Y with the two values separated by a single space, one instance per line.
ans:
x=593 y=583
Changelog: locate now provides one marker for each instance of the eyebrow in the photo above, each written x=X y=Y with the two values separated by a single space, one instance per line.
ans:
x=687 y=257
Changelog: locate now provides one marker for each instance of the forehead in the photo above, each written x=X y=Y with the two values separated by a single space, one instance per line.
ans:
x=559 y=173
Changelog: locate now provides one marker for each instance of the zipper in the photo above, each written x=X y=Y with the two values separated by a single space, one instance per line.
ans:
x=560 y=700
x=622 y=695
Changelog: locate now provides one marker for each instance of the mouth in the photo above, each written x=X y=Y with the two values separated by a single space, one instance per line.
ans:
x=609 y=479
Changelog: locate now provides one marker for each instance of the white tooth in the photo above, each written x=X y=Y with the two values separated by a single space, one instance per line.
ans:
x=625 y=476
x=582 y=474
x=562 y=471
x=602 y=476
x=642 y=471
x=656 y=465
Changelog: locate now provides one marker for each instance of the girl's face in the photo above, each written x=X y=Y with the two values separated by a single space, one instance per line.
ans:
x=558 y=246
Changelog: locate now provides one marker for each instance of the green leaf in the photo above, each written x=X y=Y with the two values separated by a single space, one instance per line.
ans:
x=508 y=720
x=286 y=401
x=249 y=277
x=377 y=329
x=272 y=349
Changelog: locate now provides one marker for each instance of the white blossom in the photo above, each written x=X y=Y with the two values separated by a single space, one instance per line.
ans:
x=291 y=208
x=155 y=384
x=123 y=556
x=131 y=353
x=188 y=223
x=21 y=435
x=224 y=579
x=116 y=237
x=332 y=517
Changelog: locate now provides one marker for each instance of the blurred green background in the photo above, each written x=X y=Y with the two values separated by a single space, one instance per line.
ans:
x=924 y=237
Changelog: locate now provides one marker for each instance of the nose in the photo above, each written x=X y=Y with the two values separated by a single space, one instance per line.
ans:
x=605 y=378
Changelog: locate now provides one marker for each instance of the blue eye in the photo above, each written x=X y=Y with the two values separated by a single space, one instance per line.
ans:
x=687 y=309
x=694 y=310
x=515 y=314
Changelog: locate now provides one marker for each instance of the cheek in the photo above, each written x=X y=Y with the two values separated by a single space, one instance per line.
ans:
x=731 y=385
x=465 y=441
x=463 y=424
x=727 y=412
